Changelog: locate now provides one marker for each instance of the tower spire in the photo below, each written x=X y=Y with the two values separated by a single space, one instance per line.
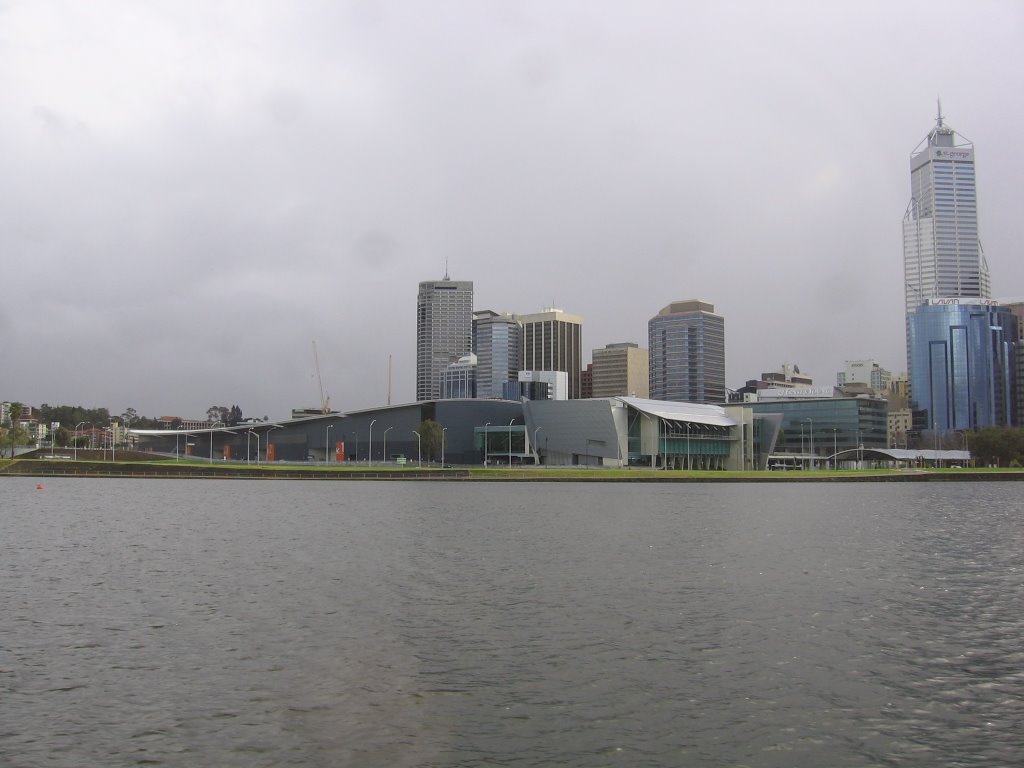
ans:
x=938 y=119
x=446 y=268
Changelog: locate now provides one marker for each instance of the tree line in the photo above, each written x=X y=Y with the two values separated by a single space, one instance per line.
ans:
x=997 y=446
x=13 y=432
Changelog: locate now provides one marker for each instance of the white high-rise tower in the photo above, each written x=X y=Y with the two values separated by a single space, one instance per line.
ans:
x=942 y=255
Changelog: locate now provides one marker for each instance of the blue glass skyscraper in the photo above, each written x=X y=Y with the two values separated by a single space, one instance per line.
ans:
x=963 y=364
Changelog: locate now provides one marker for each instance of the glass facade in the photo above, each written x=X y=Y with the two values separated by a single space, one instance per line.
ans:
x=497 y=341
x=963 y=365
x=686 y=343
x=824 y=427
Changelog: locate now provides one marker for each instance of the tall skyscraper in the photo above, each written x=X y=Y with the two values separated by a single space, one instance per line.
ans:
x=942 y=255
x=497 y=341
x=687 y=353
x=552 y=342
x=444 y=332
x=961 y=349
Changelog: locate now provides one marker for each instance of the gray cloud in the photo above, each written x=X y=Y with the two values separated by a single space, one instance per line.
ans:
x=193 y=192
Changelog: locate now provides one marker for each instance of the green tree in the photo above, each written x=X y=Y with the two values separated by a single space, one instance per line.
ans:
x=430 y=439
x=999 y=446
x=62 y=436
x=15 y=434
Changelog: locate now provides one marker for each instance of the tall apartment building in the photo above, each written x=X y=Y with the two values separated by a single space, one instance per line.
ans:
x=497 y=341
x=444 y=332
x=621 y=370
x=552 y=341
x=687 y=353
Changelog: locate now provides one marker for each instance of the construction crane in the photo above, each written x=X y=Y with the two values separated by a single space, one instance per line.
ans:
x=325 y=400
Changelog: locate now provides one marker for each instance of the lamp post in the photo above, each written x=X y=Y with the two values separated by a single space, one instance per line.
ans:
x=179 y=435
x=443 y=430
x=688 y=465
x=510 y=443
x=257 y=436
x=386 y=444
x=212 y=427
x=536 y=449
x=835 y=448
x=810 y=437
x=419 y=452
x=485 y=442
x=79 y=424
x=369 y=454
x=327 y=444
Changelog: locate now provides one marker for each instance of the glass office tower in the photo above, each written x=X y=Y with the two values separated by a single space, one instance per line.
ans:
x=963 y=365
x=444 y=332
x=687 y=353
x=497 y=341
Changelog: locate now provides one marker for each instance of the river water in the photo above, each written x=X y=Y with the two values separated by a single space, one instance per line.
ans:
x=278 y=623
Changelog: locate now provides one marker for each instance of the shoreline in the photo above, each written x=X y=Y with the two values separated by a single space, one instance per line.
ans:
x=150 y=470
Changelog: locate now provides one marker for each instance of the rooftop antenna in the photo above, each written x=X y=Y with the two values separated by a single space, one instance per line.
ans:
x=446 y=268
x=938 y=119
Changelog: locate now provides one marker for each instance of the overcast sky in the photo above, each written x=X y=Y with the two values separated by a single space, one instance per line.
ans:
x=191 y=192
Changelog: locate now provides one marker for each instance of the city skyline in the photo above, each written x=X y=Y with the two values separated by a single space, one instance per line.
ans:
x=195 y=192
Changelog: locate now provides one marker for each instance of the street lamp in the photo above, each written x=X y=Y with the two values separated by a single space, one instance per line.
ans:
x=79 y=424
x=688 y=464
x=485 y=442
x=810 y=437
x=835 y=449
x=419 y=452
x=369 y=455
x=327 y=444
x=212 y=427
x=257 y=436
x=443 y=430
x=510 y=443
x=386 y=444
x=110 y=430
x=536 y=449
